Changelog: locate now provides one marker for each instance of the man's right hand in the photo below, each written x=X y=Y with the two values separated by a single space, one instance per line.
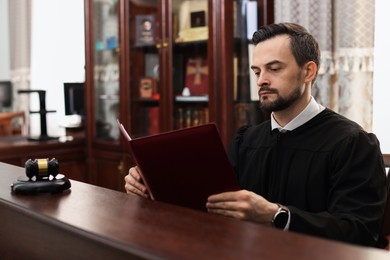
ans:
x=134 y=185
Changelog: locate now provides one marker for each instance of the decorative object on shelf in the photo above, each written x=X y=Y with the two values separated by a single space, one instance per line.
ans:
x=197 y=76
x=147 y=87
x=145 y=30
x=99 y=45
x=193 y=21
x=193 y=34
x=186 y=92
x=152 y=68
x=198 y=19
x=111 y=42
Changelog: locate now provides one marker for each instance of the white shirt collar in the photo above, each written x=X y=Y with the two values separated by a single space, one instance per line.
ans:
x=311 y=110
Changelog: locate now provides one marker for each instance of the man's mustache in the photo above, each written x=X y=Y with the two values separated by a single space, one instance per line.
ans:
x=267 y=89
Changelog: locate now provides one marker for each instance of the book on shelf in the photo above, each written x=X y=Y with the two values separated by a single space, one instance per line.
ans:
x=187 y=118
x=251 y=18
x=245 y=87
x=243 y=76
x=148 y=121
x=179 y=118
x=154 y=122
x=249 y=114
x=235 y=75
x=145 y=30
x=197 y=76
x=242 y=112
x=238 y=19
x=253 y=89
x=179 y=71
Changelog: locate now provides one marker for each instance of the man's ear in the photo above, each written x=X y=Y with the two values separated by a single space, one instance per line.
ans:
x=310 y=71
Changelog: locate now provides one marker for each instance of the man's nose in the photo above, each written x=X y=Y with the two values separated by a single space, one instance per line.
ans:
x=262 y=80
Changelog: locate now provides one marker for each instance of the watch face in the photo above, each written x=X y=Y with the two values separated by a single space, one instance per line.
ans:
x=281 y=219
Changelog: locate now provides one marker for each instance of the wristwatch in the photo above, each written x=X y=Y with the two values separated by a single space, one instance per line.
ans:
x=281 y=217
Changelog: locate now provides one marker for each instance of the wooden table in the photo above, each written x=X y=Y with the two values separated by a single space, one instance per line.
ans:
x=89 y=222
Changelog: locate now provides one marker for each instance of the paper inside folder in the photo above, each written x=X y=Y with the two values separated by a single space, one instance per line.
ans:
x=123 y=130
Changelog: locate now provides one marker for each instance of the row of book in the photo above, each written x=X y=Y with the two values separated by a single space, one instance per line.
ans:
x=191 y=116
x=148 y=119
x=245 y=113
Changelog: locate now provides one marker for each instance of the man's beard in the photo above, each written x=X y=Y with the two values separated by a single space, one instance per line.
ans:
x=280 y=103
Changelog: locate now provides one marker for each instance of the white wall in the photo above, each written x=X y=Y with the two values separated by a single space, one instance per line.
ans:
x=381 y=91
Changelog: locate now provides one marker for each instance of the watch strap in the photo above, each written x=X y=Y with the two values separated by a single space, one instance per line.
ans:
x=281 y=218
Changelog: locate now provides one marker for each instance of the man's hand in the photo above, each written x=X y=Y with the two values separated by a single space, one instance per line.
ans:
x=133 y=183
x=243 y=205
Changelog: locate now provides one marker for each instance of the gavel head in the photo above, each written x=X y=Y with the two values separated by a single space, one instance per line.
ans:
x=41 y=168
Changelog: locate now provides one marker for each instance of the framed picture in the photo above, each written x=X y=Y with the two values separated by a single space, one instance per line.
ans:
x=145 y=30
x=147 y=87
x=198 y=19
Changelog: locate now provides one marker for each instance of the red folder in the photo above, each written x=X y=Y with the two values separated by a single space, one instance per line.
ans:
x=184 y=166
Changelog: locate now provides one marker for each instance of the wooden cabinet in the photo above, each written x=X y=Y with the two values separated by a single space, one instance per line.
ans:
x=159 y=65
x=70 y=154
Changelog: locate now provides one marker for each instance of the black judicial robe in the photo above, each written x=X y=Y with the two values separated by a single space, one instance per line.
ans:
x=329 y=172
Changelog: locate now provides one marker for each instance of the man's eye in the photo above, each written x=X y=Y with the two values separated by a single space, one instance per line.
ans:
x=275 y=69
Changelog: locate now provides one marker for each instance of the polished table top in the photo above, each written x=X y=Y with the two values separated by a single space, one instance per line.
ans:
x=138 y=227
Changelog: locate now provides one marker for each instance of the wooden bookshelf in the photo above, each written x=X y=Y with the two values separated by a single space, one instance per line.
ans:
x=117 y=61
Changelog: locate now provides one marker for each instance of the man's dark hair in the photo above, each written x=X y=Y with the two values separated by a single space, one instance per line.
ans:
x=304 y=46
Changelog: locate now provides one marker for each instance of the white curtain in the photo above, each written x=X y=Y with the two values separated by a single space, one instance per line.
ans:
x=345 y=32
x=20 y=47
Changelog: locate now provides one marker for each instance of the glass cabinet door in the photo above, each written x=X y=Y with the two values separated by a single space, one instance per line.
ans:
x=144 y=82
x=246 y=99
x=169 y=85
x=190 y=62
x=106 y=68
